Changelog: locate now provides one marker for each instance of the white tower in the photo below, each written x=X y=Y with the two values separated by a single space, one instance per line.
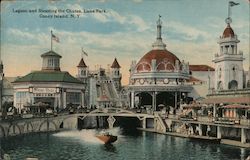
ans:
x=228 y=63
x=116 y=75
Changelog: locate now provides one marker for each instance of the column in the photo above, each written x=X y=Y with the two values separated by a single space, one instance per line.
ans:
x=55 y=101
x=132 y=98
x=144 y=123
x=214 y=111
x=175 y=100
x=200 y=129
x=230 y=49
x=64 y=99
x=59 y=100
x=243 y=135
x=154 y=101
x=82 y=98
x=219 y=132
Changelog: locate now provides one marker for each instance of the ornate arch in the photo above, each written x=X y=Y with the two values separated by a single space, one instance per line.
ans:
x=14 y=125
x=110 y=110
x=26 y=125
x=165 y=65
x=143 y=66
x=50 y=122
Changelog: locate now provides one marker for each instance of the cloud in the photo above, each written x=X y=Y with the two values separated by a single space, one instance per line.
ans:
x=189 y=33
x=112 y=16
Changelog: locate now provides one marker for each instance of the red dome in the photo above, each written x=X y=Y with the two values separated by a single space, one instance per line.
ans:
x=165 y=60
x=228 y=32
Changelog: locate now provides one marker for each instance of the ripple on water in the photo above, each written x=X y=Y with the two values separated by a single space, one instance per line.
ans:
x=83 y=144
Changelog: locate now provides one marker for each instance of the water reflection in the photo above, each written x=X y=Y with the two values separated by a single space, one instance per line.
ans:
x=109 y=148
x=140 y=146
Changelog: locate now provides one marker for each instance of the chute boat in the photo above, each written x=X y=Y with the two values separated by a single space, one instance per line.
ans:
x=106 y=137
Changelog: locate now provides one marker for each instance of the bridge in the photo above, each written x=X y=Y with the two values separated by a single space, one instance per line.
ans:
x=12 y=127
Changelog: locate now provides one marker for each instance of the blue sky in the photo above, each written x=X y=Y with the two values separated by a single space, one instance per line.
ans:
x=126 y=31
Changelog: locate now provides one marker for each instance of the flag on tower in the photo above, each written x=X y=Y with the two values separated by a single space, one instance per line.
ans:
x=55 y=38
x=232 y=3
x=86 y=54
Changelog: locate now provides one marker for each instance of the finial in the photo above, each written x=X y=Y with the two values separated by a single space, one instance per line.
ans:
x=159 y=20
x=228 y=20
x=230 y=4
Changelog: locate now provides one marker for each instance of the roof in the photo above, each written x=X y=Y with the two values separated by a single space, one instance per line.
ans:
x=228 y=32
x=236 y=106
x=115 y=64
x=200 y=67
x=82 y=63
x=104 y=98
x=229 y=99
x=43 y=76
x=159 y=56
x=193 y=79
x=51 y=53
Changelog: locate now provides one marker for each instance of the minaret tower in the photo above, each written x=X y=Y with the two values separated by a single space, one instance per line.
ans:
x=229 y=62
x=116 y=75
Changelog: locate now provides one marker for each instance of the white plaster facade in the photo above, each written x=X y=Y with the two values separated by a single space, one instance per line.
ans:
x=229 y=72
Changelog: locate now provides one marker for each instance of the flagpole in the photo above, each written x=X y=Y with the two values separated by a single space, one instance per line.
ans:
x=51 y=40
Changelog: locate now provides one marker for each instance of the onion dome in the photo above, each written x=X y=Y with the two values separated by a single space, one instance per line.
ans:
x=228 y=32
x=115 y=64
x=82 y=64
x=159 y=55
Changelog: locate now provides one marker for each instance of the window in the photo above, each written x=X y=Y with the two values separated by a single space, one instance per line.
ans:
x=233 y=84
x=219 y=86
x=73 y=97
x=219 y=73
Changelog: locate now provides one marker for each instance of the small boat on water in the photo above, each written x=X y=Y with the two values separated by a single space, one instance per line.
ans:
x=107 y=138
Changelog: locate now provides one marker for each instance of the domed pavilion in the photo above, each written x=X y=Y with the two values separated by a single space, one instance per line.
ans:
x=158 y=78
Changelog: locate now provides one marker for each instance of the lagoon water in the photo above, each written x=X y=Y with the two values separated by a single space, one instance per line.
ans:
x=83 y=145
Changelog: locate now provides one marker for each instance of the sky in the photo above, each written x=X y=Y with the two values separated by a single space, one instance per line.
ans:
x=124 y=29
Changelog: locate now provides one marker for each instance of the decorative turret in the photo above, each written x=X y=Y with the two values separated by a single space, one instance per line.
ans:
x=51 y=61
x=115 y=74
x=158 y=44
x=82 y=69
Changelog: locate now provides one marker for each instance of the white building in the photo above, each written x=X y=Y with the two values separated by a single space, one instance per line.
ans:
x=49 y=86
x=159 y=78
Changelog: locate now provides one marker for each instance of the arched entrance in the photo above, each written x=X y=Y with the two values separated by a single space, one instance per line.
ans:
x=233 y=84
x=166 y=99
x=143 y=99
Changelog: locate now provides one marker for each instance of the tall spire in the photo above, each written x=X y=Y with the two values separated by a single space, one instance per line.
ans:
x=158 y=44
x=159 y=27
